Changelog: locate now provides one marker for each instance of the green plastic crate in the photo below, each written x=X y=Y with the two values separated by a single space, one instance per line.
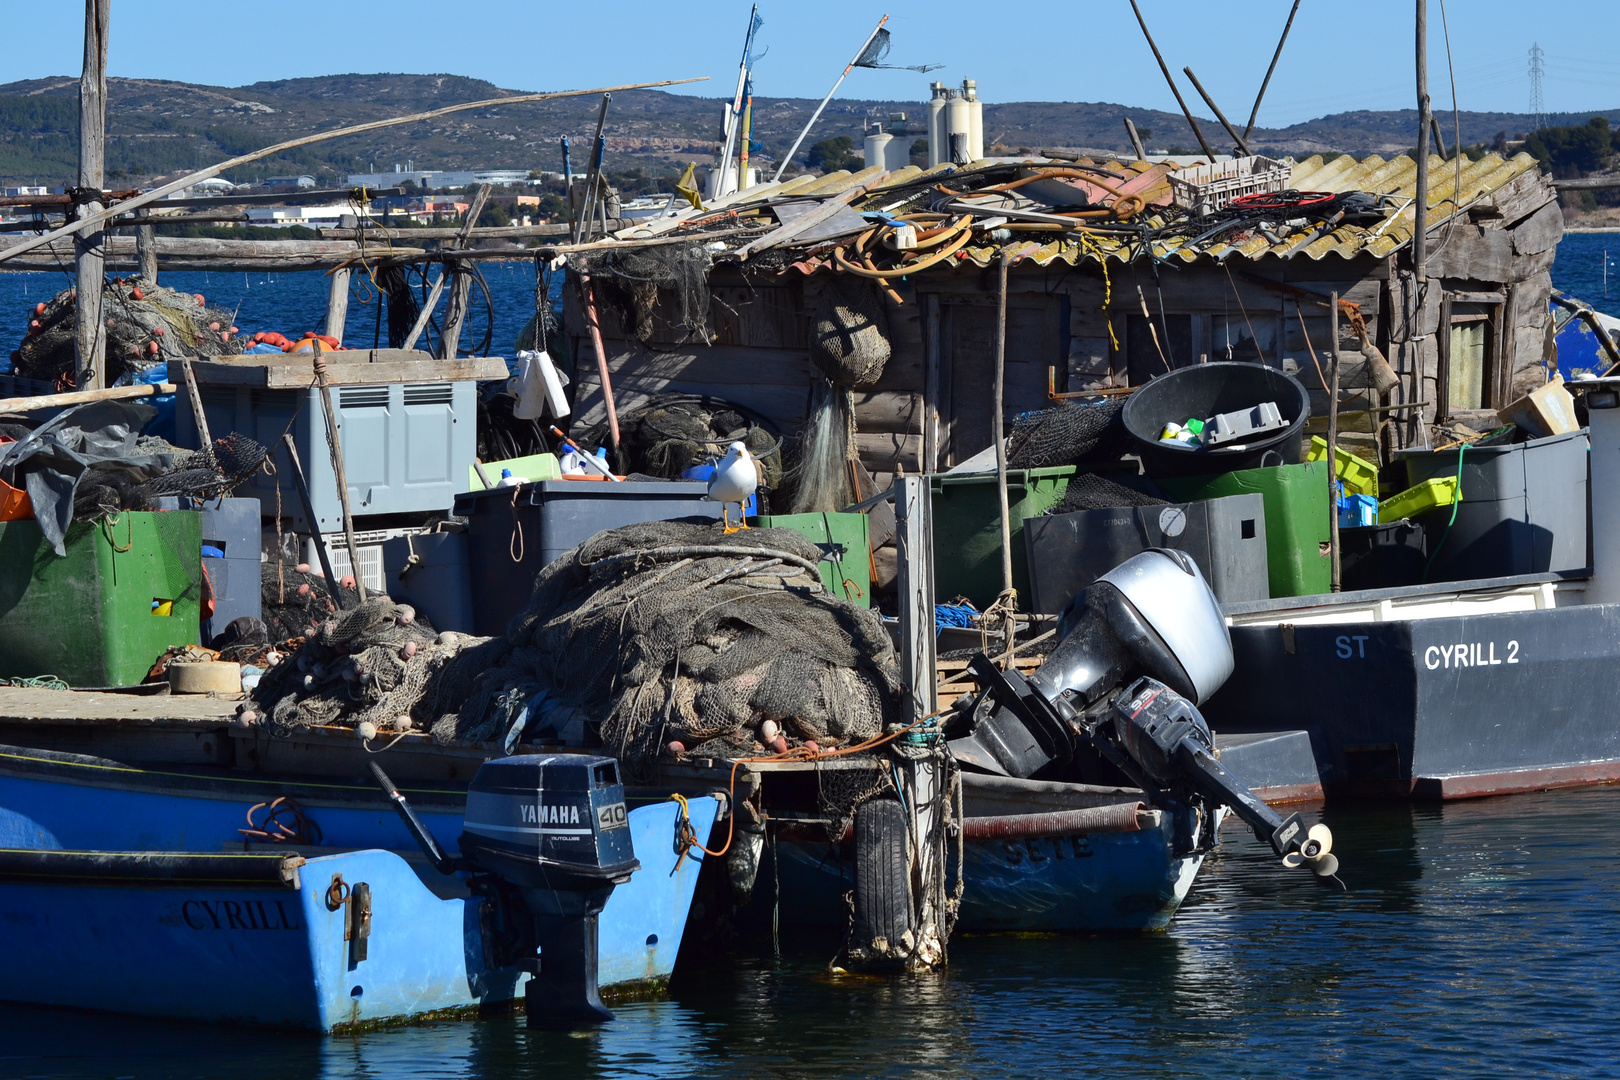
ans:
x=967 y=529
x=1296 y=500
x=849 y=576
x=101 y=615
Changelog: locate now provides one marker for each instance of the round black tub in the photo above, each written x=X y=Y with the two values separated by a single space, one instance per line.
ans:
x=1202 y=391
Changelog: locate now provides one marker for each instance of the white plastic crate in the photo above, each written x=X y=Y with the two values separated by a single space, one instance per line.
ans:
x=1204 y=189
x=368 y=545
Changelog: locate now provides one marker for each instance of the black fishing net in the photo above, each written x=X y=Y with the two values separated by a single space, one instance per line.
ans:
x=295 y=599
x=1067 y=435
x=673 y=432
x=849 y=336
x=645 y=635
x=629 y=284
x=113 y=485
x=153 y=327
x=1088 y=491
x=402 y=305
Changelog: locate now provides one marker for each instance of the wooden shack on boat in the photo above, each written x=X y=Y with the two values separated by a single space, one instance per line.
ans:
x=1111 y=309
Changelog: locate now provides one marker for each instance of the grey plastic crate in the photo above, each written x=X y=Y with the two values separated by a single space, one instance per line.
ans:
x=1523 y=508
x=1226 y=537
x=232 y=526
x=509 y=543
x=406 y=446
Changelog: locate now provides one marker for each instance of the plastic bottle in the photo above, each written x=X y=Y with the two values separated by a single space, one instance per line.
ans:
x=569 y=463
x=507 y=480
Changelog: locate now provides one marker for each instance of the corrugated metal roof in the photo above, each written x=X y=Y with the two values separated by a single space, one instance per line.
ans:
x=1395 y=177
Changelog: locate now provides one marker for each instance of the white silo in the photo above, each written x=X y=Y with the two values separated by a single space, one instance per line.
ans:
x=970 y=92
x=937 y=150
x=957 y=124
x=877 y=149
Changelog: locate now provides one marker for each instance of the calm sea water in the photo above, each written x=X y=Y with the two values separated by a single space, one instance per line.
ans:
x=1476 y=939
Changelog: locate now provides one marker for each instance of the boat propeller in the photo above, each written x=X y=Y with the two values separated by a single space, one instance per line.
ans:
x=1316 y=853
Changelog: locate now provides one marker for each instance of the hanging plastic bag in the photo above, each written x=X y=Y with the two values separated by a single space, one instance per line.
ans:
x=538 y=387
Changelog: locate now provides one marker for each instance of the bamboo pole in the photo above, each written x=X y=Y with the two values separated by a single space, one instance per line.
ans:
x=1197 y=131
x=335 y=447
x=1242 y=144
x=1258 y=98
x=787 y=159
x=146 y=197
x=90 y=330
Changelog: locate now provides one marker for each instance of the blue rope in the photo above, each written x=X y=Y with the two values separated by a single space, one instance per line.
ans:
x=961 y=615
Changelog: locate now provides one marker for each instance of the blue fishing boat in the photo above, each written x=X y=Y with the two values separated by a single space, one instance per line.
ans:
x=300 y=904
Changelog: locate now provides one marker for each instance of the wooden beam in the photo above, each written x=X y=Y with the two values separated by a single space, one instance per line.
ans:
x=914 y=545
x=337 y=303
x=378 y=233
x=146 y=253
x=90 y=328
x=455 y=312
x=81 y=397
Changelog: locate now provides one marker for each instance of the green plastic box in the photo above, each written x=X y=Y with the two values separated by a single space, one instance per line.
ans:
x=1296 y=500
x=126 y=591
x=967 y=530
x=848 y=575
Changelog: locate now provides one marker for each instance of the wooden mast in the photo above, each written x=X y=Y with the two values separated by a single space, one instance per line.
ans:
x=90 y=331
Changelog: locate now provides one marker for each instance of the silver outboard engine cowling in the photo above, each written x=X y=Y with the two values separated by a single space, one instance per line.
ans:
x=1153 y=623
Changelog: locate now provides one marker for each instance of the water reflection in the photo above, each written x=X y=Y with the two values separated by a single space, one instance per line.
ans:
x=1473 y=939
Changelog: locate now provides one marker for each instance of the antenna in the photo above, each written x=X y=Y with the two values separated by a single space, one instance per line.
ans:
x=1537 y=109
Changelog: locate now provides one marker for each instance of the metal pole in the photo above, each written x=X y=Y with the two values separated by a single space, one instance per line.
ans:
x=90 y=331
x=817 y=114
x=1333 y=440
x=568 y=193
x=1420 y=209
x=1249 y=130
x=1001 y=443
x=1167 y=78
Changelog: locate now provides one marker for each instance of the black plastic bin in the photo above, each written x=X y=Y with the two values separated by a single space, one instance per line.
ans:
x=1203 y=390
x=1387 y=556
x=511 y=539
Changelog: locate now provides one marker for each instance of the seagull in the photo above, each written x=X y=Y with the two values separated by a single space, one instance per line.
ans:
x=735 y=478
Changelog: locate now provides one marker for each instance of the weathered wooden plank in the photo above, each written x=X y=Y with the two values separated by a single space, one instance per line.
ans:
x=884 y=452
x=889 y=412
x=785 y=405
x=757 y=316
x=90 y=330
x=337 y=303
x=1538 y=232
x=347 y=368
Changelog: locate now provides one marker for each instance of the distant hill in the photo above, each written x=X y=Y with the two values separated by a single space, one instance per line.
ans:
x=157 y=127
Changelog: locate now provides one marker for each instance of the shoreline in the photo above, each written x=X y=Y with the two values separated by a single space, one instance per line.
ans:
x=1592 y=229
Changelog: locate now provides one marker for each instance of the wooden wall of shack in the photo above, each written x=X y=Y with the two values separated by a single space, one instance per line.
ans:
x=1497 y=254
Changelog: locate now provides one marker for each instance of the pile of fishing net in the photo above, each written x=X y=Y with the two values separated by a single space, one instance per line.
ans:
x=146 y=325
x=294 y=599
x=627 y=284
x=673 y=432
x=645 y=636
x=1067 y=435
x=1088 y=491
x=113 y=486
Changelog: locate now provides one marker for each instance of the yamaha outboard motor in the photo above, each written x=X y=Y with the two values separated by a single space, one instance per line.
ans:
x=1153 y=623
x=545 y=839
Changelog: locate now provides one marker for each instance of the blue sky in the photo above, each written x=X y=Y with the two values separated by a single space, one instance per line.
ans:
x=1340 y=56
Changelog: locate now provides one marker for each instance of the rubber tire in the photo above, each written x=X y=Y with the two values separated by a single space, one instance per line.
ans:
x=882 y=873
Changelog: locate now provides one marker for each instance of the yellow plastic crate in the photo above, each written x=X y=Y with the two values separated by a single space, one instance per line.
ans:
x=1359 y=476
x=1429 y=495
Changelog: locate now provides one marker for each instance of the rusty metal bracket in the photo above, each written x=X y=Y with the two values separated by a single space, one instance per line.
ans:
x=337 y=893
x=357 y=928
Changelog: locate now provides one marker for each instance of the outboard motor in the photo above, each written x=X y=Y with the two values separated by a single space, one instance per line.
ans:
x=1152 y=621
x=545 y=839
